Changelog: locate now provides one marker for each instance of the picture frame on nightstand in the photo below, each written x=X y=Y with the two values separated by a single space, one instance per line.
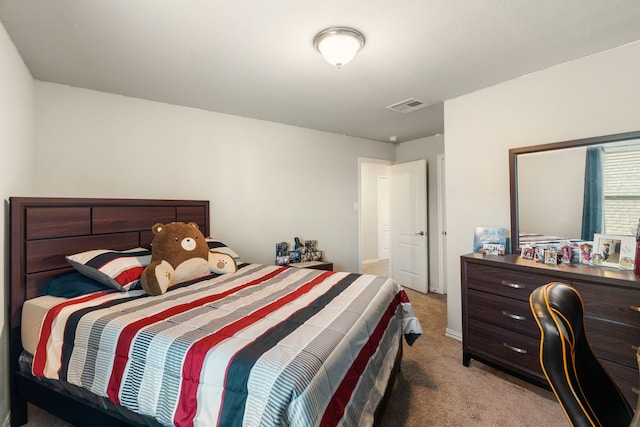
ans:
x=282 y=260
x=295 y=256
x=282 y=253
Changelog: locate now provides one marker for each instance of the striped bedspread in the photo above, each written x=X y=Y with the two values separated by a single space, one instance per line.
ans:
x=266 y=345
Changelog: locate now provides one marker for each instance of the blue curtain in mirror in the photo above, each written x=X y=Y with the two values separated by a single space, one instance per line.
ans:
x=593 y=206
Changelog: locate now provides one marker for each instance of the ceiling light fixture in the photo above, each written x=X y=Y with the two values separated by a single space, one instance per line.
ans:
x=338 y=45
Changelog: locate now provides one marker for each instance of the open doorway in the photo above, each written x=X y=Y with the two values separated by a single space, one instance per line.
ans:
x=399 y=251
x=375 y=239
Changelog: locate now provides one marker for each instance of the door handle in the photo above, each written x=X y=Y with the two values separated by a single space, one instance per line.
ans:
x=420 y=233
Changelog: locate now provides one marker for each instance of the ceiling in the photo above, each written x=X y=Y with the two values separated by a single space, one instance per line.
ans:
x=256 y=58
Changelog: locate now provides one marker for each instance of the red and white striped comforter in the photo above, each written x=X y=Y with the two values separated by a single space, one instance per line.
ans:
x=267 y=345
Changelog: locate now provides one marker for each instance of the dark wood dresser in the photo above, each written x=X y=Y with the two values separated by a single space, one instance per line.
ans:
x=498 y=327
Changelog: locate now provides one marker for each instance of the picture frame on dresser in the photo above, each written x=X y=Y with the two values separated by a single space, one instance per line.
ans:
x=617 y=251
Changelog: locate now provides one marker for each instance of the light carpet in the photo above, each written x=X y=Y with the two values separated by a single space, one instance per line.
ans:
x=433 y=388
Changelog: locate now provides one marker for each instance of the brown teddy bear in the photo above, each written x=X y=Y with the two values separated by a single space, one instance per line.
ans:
x=179 y=253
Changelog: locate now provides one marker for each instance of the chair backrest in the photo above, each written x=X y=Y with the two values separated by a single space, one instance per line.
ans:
x=635 y=422
x=585 y=391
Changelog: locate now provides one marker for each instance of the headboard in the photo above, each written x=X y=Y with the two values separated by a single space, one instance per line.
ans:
x=45 y=230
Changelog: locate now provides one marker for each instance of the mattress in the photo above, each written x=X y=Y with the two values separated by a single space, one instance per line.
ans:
x=283 y=346
x=33 y=313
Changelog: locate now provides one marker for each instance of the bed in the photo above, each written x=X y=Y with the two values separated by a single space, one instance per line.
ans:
x=267 y=345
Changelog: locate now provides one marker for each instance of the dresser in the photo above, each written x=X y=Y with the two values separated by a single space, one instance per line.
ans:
x=498 y=327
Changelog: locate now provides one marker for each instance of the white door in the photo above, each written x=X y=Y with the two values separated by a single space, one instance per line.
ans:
x=384 y=218
x=409 y=225
x=442 y=228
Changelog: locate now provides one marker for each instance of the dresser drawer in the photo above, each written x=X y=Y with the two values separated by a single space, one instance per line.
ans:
x=503 y=282
x=610 y=302
x=613 y=341
x=515 y=351
x=625 y=378
x=508 y=313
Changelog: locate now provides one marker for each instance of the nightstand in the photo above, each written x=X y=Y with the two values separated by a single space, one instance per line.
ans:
x=316 y=265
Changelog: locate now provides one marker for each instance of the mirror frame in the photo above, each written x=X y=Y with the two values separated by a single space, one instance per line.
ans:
x=513 y=170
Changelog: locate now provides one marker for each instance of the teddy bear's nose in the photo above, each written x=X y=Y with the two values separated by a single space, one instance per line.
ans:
x=188 y=244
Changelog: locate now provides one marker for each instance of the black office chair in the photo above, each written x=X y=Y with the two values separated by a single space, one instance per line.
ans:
x=585 y=391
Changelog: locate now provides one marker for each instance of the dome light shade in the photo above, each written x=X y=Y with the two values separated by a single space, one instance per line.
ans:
x=338 y=45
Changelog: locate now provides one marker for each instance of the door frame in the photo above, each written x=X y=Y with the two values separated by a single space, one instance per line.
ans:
x=411 y=229
x=442 y=225
x=383 y=203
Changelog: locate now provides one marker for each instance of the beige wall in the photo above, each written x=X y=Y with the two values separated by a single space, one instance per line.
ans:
x=596 y=95
x=267 y=182
x=16 y=141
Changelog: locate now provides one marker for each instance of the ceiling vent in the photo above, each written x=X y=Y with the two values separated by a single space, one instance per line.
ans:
x=408 y=105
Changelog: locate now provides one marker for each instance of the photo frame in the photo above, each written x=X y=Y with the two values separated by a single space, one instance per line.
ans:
x=282 y=249
x=301 y=251
x=282 y=260
x=616 y=251
x=586 y=250
x=295 y=256
x=528 y=252
x=628 y=253
x=551 y=257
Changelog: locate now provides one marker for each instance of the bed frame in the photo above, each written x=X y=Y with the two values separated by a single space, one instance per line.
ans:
x=43 y=231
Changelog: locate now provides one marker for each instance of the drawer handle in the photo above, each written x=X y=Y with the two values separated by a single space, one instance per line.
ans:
x=513 y=316
x=634 y=347
x=516 y=349
x=635 y=308
x=512 y=285
x=635 y=390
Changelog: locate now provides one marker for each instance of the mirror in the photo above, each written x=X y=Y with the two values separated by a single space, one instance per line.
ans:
x=547 y=185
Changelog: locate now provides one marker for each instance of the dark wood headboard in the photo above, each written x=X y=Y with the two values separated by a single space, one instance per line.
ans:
x=45 y=230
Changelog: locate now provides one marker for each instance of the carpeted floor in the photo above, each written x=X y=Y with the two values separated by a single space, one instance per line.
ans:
x=380 y=268
x=435 y=389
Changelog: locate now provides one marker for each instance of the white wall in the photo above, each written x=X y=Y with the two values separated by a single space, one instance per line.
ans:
x=267 y=182
x=596 y=95
x=427 y=148
x=16 y=141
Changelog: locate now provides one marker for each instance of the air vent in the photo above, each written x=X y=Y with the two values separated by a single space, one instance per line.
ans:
x=407 y=106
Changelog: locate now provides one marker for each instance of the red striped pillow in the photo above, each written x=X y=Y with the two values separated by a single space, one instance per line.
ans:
x=119 y=269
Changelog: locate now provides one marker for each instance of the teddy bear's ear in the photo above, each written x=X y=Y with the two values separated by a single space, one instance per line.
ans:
x=157 y=228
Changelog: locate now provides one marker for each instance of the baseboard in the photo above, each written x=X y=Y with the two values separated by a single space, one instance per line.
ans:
x=453 y=334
